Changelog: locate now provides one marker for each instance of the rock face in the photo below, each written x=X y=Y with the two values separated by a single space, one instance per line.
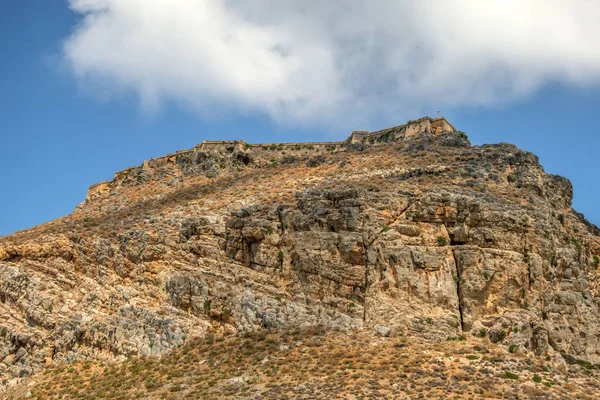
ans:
x=423 y=234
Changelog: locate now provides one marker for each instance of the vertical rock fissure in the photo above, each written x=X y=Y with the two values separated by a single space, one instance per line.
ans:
x=366 y=247
x=366 y=287
x=458 y=295
x=190 y=296
x=280 y=215
x=366 y=281
x=280 y=254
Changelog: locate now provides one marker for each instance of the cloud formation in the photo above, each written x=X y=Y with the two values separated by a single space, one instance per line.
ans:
x=337 y=61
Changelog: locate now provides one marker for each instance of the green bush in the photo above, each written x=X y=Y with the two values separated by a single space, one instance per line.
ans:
x=501 y=335
x=442 y=240
x=225 y=315
x=89 y=222
x=509 y=375
x=207 y=304
x=576 y=243
x=587 y=364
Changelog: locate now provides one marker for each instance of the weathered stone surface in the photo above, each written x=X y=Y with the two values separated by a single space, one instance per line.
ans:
x=425 y=235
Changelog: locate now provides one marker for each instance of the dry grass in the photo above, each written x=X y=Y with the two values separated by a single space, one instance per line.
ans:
x=317 y=365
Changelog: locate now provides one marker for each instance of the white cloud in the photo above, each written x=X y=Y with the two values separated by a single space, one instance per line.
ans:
x=333 y=61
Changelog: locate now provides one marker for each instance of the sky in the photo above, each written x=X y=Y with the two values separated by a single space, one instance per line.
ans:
x=90 y=87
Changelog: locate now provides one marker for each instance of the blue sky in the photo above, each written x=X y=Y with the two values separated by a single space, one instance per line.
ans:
x=62 y=130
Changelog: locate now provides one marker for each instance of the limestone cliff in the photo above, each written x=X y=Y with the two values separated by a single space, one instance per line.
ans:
x=410 y=229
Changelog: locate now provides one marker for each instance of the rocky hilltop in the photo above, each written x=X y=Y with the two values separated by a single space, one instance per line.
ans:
x=405 y=231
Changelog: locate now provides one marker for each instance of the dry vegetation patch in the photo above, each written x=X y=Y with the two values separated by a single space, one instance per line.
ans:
x=317 y=365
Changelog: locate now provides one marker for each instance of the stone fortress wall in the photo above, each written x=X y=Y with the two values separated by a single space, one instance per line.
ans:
x=429 y=125
x=411 y=128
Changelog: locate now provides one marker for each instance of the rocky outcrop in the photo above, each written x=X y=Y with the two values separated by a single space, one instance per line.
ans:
x=426 y=235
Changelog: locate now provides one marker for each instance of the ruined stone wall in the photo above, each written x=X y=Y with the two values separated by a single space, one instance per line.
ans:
x=265 y=153
x=99 y=187
x=268 y=152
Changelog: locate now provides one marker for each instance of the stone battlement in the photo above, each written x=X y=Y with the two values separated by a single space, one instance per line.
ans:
x=410 y=129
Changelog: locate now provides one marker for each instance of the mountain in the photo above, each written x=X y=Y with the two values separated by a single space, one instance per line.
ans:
x=408 y=232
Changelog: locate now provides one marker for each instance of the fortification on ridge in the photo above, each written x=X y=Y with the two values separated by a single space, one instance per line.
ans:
x=433 y=126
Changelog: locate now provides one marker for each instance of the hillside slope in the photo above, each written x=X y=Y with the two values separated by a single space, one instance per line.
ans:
x=312 y=364
x=408 y=231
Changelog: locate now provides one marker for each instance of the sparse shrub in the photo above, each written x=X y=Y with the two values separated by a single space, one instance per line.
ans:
x=89 y=222
x=536 y=378
x=225 y=315
x=576 y=243
x=512 y=348
x=509 y=375
x=482 y=333
x=586 y=364
x=497 y=336
x=442 y=241
x=315 y=161
x=207 y=304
